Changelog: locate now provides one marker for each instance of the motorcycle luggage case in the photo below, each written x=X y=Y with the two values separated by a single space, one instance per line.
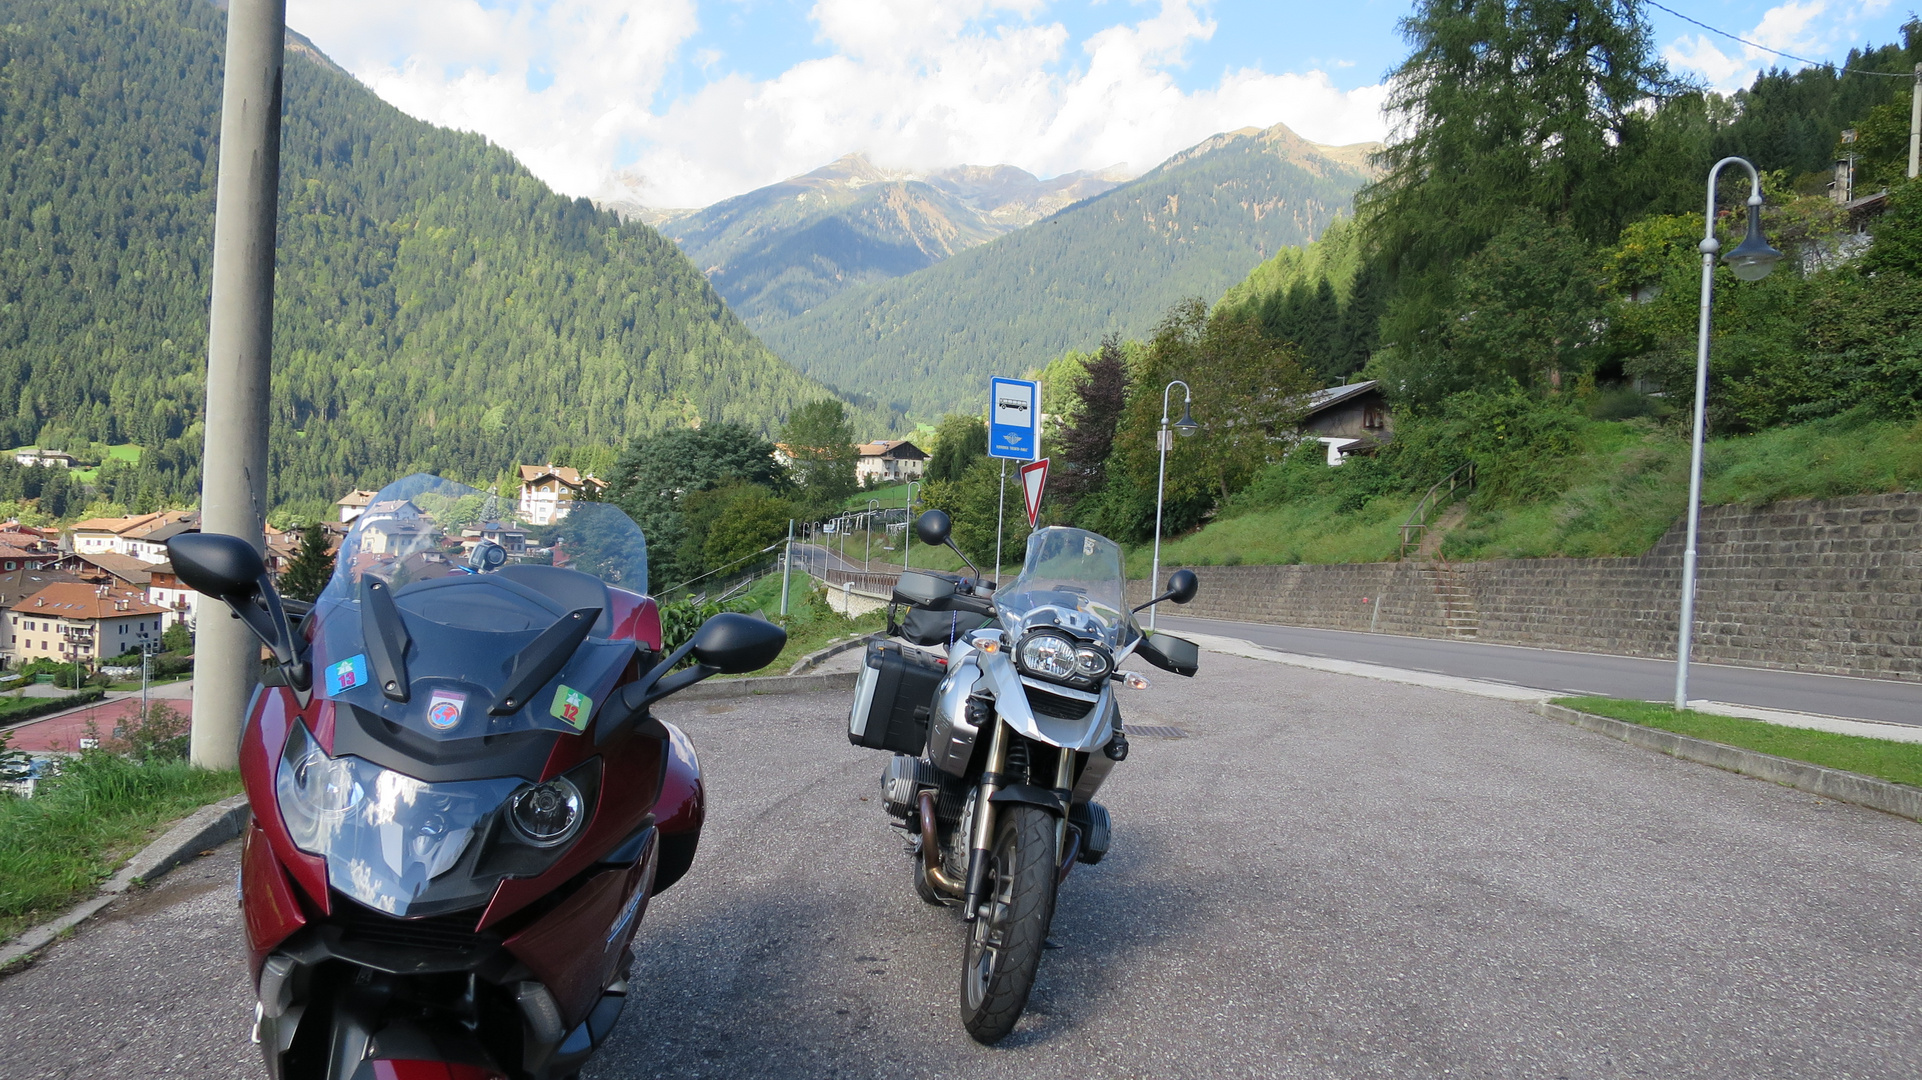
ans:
x=893 y=697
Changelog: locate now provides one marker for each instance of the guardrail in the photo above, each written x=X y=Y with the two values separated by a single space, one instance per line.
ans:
x=1416 y=527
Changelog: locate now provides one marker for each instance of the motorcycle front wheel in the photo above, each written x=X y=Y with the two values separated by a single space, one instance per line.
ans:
x=1005 y=939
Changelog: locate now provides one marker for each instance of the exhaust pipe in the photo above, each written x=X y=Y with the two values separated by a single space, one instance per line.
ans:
x=931 y=852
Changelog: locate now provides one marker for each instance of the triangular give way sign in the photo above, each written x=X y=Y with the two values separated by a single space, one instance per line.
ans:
x=1034 y=479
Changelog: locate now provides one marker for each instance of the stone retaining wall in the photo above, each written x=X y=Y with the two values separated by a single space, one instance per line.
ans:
x=1821 y=585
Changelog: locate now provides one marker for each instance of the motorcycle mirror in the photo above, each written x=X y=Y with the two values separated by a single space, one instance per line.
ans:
x=933 y=528
x=737 y=644
x=231 y=571
x=1182 y=586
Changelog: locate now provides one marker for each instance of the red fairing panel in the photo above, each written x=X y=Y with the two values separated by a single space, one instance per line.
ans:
x=636 y=618
x=269 y=716
x=573 y=949
x=271 y=910
x=683 y=802
x=430 y=1070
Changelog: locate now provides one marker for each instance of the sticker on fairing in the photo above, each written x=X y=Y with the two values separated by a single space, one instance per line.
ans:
x=444 y=709
x=346 y=674
x=572 y=706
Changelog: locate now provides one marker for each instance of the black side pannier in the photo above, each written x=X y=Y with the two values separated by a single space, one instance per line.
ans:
x=893 y=697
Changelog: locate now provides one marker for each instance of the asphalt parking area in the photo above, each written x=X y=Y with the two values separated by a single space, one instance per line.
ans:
x=1327 y=876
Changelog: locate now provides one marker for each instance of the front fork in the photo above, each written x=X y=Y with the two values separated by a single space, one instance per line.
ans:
x=983 y=838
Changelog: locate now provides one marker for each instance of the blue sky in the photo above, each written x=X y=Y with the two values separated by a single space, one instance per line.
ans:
x=683 y=102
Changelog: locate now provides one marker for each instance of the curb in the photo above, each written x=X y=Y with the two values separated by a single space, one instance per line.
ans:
x=767 y=684
x=815 y=659
x=1891 y=798
x=206 y=827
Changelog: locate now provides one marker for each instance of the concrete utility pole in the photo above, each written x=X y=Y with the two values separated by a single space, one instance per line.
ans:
x=233 y=469
x=1915 y=125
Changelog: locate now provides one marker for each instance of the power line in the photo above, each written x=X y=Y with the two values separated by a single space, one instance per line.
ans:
x=1778 y=52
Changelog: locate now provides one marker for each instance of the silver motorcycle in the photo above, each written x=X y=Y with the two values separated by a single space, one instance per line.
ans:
x=1003 y=737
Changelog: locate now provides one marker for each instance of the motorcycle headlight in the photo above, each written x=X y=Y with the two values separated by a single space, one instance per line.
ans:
x=1050 y=656
x=1092 y=663
x=546 y=814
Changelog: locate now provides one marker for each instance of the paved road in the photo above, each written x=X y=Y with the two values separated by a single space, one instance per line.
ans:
x=1887 y=700
x=1330 y=877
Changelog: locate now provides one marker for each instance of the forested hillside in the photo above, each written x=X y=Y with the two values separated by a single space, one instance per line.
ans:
x=927 y=343
x=779 y=250
x=439 y=307
x=1524 y=281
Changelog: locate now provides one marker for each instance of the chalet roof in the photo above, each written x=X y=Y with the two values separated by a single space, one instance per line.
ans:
x=178 y=521
x=356 y=497
x=892 y=450
x=534 y=474
x=120 y=526
x=168 y=531
x=79 y=600
x=125 y=567
x=1335 y=395
x=17 y=585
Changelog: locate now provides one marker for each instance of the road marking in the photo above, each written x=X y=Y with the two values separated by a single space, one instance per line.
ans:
x=1873 y=729
x=1433 y=680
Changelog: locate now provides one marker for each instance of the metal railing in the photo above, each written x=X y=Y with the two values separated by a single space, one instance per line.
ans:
x=1416 y=527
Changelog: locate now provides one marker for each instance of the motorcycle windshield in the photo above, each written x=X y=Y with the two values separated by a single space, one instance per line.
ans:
x=1072 y=579
x=474 y=583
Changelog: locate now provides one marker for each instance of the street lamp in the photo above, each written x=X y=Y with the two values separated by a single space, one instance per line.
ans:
x=1752 y=260
x=867 y=534
x=907 y=535
x=1187 y=426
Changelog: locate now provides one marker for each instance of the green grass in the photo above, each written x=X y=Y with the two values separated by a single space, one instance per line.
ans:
x=891 y=495
x=58 y=846
x=1897 y=761
x=14 y=709
x=1625 y=486
x=810 y=623
x=1310 y=531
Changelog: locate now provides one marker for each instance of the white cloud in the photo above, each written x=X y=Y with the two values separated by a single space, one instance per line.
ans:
x=1813 y=28
x=913 y=83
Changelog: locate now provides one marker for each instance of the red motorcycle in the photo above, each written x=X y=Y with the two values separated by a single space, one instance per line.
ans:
x=462 y=804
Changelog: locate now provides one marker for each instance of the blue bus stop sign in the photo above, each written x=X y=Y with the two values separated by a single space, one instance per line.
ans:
x=1014 y=419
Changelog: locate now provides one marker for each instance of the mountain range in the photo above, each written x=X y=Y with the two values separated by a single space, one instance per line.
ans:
x=925 y=341
x=779 y=250
x=438 y=306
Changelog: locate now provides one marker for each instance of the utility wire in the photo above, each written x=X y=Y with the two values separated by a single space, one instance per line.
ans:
x=1778 y=52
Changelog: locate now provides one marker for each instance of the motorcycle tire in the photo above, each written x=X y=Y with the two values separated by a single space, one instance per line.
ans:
x=1006 y=938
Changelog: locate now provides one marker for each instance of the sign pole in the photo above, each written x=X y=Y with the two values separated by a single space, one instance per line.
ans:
x=1000 y=514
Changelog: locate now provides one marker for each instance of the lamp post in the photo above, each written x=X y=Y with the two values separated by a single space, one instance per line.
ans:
x=907 y=534
x=1752 y=260
x=867 y=535
x=1187 y=426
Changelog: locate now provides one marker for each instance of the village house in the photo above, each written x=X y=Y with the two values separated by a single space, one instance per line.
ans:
x=548 y=490
x=352 y=503
x=142 y=536
x=888 y=460
x=34 y=456
x=76 y=621
x=107 y=568
x=1348 y=420
x=394 y=528
x=166 y=591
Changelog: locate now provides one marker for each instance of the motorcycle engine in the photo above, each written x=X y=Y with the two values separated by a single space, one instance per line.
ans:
x=901 y=784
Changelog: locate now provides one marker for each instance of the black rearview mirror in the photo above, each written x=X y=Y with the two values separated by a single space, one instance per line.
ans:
x=933 y=528
x=1182 y=586
x=738 y=643
x=230 y=570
